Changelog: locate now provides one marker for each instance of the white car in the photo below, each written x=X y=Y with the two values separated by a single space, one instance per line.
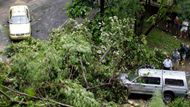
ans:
x=19 y=22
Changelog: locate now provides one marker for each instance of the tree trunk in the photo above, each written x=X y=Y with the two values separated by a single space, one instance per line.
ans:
x=102 y=2
x=147 y=4
x=150 y=28
x=159 y=19
x=139 y=23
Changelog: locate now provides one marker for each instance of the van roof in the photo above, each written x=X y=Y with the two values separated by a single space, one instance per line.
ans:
x=19 y=10
x=158 y=73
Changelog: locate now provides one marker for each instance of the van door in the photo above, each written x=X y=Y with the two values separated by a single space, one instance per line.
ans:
x=136 y=88
x=152 y=84
x=148 y=85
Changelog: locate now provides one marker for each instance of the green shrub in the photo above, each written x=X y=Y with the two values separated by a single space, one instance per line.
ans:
x=156 y=100
x=180 y=102
x=79 y=8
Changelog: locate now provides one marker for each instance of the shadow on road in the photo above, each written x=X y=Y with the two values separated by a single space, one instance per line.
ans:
x=140 y=97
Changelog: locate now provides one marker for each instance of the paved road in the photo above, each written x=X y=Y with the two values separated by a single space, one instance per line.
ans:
x=46 y=14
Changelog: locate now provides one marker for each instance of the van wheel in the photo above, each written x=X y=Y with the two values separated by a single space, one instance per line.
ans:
x=168 y=98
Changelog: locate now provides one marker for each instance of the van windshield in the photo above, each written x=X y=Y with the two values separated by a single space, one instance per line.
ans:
x=19 y=20
x=133 y=76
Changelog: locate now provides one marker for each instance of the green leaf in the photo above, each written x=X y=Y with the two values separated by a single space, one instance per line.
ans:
x=30 y=91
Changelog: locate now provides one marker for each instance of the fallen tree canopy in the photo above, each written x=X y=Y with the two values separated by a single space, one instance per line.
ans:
x=71 y=69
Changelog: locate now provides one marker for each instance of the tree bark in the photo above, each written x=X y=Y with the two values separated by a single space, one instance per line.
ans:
x=83 y=72
x=139 y=23
x=159 y=19
x=150 y=28
x=107 y=51
x=102 y=3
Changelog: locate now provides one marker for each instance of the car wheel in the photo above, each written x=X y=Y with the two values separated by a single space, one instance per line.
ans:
x=168 y=98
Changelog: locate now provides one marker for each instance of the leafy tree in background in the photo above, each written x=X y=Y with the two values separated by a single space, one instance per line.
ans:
x=161 y=15
x=123 y=9
x=80 y=8
x=166 y=7
x=183 y=8
x=119 y=8
x=130 y=8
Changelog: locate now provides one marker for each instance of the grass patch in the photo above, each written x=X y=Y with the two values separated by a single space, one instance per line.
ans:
x=164 y=41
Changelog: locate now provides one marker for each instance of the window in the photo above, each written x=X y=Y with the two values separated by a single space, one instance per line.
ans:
x=19 y=19
x=175 y=82
x=149 y=80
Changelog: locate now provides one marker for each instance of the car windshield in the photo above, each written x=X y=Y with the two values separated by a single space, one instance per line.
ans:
x=19 y=20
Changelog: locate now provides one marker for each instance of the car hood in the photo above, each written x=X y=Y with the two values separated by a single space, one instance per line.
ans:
x=20 y=28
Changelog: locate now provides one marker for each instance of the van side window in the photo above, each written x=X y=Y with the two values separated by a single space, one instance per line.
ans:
x=149 y=80
x=175 y=82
